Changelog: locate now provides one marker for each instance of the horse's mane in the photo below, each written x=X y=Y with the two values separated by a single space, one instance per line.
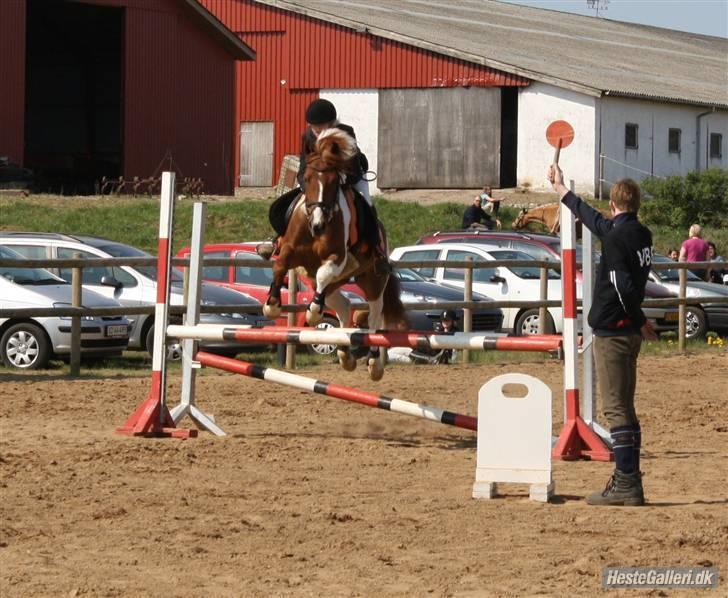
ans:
x=335 y=147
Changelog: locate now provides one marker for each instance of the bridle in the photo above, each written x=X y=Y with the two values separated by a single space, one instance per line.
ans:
x=328 y=210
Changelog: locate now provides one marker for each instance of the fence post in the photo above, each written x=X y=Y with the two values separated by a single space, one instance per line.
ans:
x=292 y=300
x=467 y=312
x=681 y=330
x=542 y=296
x=75 y=362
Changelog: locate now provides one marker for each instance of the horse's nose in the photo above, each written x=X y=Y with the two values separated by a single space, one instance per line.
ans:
x=318 y=228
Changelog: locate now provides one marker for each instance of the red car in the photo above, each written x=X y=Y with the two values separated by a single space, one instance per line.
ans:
x=256 y=282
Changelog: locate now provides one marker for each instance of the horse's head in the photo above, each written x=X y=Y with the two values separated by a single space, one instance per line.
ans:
x=520 y=221
x=326 y=169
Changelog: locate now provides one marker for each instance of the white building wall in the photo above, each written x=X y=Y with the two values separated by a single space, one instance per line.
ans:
x=359 y=108
x=539 y=105
x=652 y=156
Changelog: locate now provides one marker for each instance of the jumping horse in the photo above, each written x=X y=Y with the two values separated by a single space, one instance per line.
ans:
x=318 y=240
x=548 y=216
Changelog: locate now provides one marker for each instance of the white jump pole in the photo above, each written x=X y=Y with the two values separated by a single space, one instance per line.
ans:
x=187 y=404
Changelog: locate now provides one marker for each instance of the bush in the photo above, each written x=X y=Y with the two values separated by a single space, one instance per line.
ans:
x=700 y=197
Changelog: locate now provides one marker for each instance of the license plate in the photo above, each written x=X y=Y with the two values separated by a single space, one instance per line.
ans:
x=672 y=316
x=117 y=330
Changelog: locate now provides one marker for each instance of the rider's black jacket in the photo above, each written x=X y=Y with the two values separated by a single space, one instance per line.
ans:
x=623 y=270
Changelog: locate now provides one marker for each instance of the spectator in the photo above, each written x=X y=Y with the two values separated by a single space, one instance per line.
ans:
x=694 y=249
x=673 y=254
x=493 y=204
x=446 y=325
x=475 y=217
x=714 y=273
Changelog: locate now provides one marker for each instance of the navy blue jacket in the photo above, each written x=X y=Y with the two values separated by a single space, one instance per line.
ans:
x=622 y=274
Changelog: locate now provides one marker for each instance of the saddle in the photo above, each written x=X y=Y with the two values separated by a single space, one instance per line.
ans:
x=365 y=230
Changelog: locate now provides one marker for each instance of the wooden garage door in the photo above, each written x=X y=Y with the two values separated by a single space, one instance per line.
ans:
x=439 y=138
x=256 y=154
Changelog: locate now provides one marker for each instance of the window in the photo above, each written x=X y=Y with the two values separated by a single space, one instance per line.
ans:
x=421 y=255
x=716 y=145
x=479 y=274
x=248 y=275
x=219 y=273
x=32 y=252
x=630 y=136
x=93 y=275
x=673 y=141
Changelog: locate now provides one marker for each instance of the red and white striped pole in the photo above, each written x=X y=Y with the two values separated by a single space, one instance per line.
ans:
x=577 y=439
x=152 y=418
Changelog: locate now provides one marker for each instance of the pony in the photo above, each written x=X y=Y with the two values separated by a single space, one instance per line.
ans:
x=548 y=216
x=318 y=240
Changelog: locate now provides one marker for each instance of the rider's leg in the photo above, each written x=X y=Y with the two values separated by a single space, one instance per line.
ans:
x=362 y=187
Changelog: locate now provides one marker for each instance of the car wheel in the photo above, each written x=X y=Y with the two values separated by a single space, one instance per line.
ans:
x=325 y=324
x=527 y=323
x=174 y=349
x=25 y=346
x=695 y=324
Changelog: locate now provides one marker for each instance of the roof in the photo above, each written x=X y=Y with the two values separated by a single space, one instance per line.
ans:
x=237 y=48
x=590 y=55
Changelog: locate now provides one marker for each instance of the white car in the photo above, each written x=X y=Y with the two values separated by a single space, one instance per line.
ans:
x=498 y=283
x=30 y=342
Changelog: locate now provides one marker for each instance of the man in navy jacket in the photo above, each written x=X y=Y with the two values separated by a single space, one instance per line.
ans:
x=619 y=326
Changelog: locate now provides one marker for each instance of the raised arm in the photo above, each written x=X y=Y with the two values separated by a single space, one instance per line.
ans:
x=591 y=218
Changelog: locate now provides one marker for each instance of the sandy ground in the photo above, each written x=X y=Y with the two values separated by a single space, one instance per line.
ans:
x=310 y=496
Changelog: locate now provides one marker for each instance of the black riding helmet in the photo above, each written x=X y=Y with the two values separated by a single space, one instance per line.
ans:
x=320 y=112
x=448 y=314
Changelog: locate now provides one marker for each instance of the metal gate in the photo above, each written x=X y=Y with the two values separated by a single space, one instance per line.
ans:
x=256 y=154
x=439 y=138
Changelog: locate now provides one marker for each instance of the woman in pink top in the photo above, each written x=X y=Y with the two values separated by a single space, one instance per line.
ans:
x=695 y=248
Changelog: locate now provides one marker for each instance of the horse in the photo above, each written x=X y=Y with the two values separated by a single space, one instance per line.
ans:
x=317 y=240
x=548 y=216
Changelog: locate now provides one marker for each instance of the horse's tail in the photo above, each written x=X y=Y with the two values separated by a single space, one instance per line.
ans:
x=392 y=309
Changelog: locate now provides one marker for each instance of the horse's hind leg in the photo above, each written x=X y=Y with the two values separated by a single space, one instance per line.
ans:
x=375 y=364
x=272 y=307
x=341 y=305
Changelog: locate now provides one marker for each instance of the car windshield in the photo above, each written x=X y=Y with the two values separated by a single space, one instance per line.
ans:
x=672 y=274
x=25 y=276
x=525 y=272
x=409 y=275
x=121 y=250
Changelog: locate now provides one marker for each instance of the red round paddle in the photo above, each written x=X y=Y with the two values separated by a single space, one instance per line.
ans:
x=559 y=134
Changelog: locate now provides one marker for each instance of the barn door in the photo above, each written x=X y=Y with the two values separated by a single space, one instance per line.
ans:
x=439 y=138
x=256 y=154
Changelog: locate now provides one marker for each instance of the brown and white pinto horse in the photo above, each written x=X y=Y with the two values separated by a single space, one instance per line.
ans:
x=317 y=239
x=548 y=216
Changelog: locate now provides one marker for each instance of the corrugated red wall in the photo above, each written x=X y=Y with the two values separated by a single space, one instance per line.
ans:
x=179 y=90
x=12 y=78
x=298 y=55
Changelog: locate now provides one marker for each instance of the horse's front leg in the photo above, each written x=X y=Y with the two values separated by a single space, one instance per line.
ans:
x=272 y=307
x=328 y=272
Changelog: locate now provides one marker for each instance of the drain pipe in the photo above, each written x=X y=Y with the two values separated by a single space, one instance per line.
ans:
x=697 y=138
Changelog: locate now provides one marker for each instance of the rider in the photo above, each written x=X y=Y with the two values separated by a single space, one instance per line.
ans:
x=321 y=115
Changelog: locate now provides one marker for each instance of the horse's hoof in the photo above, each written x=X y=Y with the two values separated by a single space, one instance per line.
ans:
x=271 y=311
x=346 y=360
x=376 y=369
x=313 y=317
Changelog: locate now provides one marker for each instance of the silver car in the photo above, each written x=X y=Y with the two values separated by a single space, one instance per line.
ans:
x=29 y=343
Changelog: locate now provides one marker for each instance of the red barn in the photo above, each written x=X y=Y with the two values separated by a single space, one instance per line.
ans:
x=301 y=58
x=94 y=88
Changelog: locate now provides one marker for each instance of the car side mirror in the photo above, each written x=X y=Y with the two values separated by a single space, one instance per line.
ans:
x=496 y=278
x=110 y=281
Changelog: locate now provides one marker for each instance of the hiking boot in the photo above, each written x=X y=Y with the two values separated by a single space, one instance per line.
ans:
x=266 y=249
x=623 y=489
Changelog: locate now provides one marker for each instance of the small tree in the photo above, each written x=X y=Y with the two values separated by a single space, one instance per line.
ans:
x=699 y=197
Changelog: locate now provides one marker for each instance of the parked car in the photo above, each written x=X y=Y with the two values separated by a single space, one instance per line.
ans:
x=417 y=289
x=30 y=342
x=698 y=318
x=134 y=286
x=547 y=248
x=509 y=284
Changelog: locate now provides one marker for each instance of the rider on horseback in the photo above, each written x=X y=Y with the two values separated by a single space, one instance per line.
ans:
x=321 y=115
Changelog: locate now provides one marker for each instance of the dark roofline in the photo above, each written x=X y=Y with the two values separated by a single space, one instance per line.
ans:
x=236 y=47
